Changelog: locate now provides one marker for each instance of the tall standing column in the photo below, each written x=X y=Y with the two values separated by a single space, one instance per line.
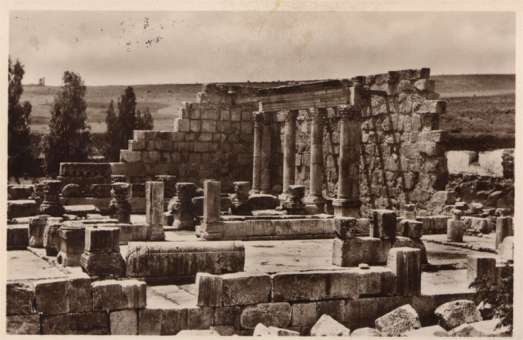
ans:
x=316 y=167
x=154 y=194
x=257 y=151
x=289 y=151
x=266 y=150
x=347 y=202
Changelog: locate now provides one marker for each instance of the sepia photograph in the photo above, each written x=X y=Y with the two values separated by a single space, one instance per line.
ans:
x=260 y=173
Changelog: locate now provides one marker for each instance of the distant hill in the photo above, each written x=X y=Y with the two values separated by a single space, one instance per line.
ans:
x=165 y=100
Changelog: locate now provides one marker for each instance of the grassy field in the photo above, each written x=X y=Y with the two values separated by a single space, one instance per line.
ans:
x=477 y=104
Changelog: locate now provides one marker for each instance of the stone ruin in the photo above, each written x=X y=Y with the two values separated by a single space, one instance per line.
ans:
x=358 y=161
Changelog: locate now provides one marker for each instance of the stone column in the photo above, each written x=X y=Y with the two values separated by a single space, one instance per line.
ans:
x=36 y=230
x=154 y=194
x=455 y=227
x=347 y=202
x=266 y=154
x=257 y=150
x=315 y=197
x=289 y=151
x=120 y=202
x=405 y=263
x=183 y=207
x=504 y=228
x=211 y=203
x=51 y=204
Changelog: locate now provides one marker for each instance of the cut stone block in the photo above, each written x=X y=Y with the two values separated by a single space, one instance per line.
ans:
x=72 y=244
x=435 y=330
x=101 y=257
x=455 y=313
x=376 y=281
x=405 y=264
x=262 y=330
x=51 y=296
x=36 y=230
x=351 y=252
x=102 y=239
x=506 y=250
x=304 y=315
x=162 y=321
x=21 y=208
x=154 y=206
x=346 y=227
x=20 y=298
x=23 y=324
x=327 y=326
x=172 y=261
x=277 y=314
x=366 y=331
x=480 y=266
x=504 y=228
x=17 y=237
x=124 y=322
x=263 y=202
x=398 y=321
x=109 y=295
x=80 y=295
x=233 y=289
x=410 y=228
x=383 y=224
x=455 y=230
x=93 y=323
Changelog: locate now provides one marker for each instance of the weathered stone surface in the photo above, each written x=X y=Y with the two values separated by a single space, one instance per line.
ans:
x=351 y=252
x=36 y=230
x=124 y=322
x=21 y=208
x=485 y=328
x=327 y=326
x=19 y=191
x=383 y=224
x=405 y=264
x=170 y=261
x=102 y=239
x=345 y=227
x=109 y=295
x=51 y=296
x=72 y=244
x=154 y=194
x=277 y=314
x=455 y=313
x=398 y=321
x=480 y=266
x=20 y=298
x=93 y=323
x=365 y=331
x=51 y=238
x=103 y=264
x=262 y=330
x=51 y=204
x=506 y=250
x=410 y=228
x=304 y=315
x=435 y=330
x=455 y=230
x=263 y=202
x=23 y=324
x=80 y=295
x=17 y=237
x=504 y=228
x=198 y=332
x=233 y=289
x=199 y=317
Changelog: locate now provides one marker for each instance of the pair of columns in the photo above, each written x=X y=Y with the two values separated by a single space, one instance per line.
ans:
x=347 y=202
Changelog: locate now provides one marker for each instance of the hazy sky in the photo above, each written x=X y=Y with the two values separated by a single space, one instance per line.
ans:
x=175 y=47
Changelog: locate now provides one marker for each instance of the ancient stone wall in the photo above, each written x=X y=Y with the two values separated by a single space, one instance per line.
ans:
x=212 y=138
x=402 y=157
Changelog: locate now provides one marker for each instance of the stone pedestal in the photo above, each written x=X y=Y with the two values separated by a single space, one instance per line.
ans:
x=51 y=239
x=120 y=202
x=101 y=257
x=211 y=224
x=72 y=244
x=347 y=202
x=405 y=263
x=293 y=203
x=504 y=228
x=257 y=151
x=482 y=267
x=455 y=227
x=169 y=185
x=36 y=231
x=315 y=197
x=410 y=211
x=239 y=205
x=154 y=194
x=383 y=224
x=51 y=204
x=182 y=206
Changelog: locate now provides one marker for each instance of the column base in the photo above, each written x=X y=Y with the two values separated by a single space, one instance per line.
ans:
x=315 y=203
x=345 y=208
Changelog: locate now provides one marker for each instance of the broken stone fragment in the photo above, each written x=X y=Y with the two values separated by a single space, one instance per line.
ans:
x=455 y=313
x=487 y=328
x=262 y=330
x=398 y=321
x=327 y=326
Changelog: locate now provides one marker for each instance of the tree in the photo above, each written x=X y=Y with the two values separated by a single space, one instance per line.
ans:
x=69 y=137
x=112 y=135
x=145 y=121
x=126 y=116
x=20 y=159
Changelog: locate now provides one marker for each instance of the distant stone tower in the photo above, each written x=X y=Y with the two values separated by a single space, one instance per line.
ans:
x=41 y=81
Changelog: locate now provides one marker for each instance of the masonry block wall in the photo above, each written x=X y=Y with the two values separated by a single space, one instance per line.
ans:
x=212 y=138
x=402 y=156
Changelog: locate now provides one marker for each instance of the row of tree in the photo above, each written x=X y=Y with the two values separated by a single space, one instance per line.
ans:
x=69 y=135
